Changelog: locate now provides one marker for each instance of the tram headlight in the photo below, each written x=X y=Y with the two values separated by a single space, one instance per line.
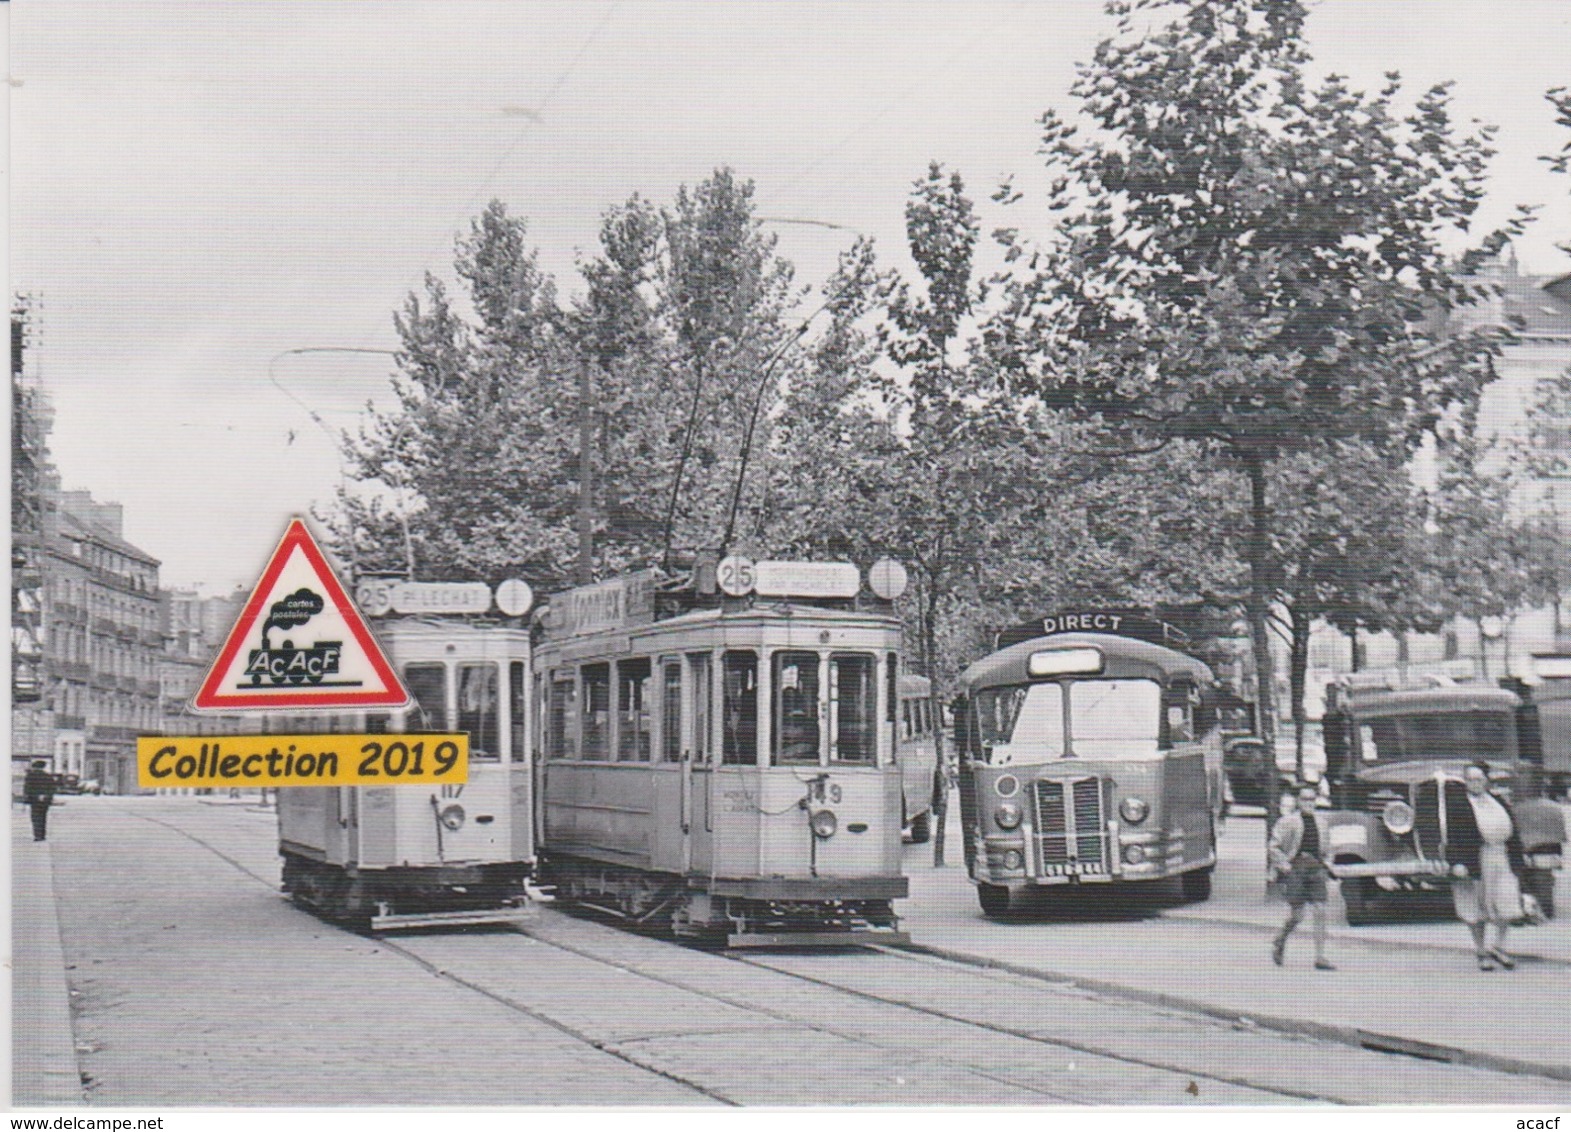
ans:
x=824 y=823
x=1007 y=815
x=452 y=817
x=1134 y=855
x=1398 y=817
x=1134 y=810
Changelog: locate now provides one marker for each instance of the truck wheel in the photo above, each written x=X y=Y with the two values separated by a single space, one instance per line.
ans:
x=1359 y=900
x=994 y=899
x=1197 y=884
x=922 y=827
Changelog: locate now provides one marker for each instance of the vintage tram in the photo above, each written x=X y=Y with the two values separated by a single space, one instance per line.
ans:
x=718 y=759
x=410 y=855
x=1087 y=758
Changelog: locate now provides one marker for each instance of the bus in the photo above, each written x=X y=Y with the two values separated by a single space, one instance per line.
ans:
x=1087 y=757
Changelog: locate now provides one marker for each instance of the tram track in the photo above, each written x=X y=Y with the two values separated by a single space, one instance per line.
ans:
x=898 y=1006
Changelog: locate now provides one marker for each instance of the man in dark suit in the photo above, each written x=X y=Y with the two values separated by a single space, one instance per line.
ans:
x=38 y=788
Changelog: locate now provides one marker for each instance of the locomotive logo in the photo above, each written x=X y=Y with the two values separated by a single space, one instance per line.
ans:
x=299 y=643
x=287 y=664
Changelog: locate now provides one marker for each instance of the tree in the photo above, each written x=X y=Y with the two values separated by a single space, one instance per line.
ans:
x=624 y=422
x=1348 y=544
x=1244 y=259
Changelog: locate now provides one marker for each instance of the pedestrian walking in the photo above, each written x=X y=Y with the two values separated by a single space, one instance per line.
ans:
x=1485 y=856
x=1294 y=853
x=38 y=789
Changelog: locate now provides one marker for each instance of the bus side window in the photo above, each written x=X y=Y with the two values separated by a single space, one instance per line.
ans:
x=740 y=707
x=905 y=719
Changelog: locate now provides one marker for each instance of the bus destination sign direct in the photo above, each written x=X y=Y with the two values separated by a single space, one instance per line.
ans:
x=1120 y=622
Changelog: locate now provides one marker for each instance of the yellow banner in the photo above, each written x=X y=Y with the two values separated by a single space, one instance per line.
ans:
x=302 y=760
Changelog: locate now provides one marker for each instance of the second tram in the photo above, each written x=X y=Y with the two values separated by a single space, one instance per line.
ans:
x=723 y=764
x=1087 y=757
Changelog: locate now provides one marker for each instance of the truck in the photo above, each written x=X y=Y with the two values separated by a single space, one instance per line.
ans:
x=1397 y=743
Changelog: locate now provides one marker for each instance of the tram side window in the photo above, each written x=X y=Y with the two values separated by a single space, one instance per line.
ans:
x=518 y=705
x=703 y=693
x=854 y=688
x=597 y=712
x=796 y=707
x=478 y=710
x=562 y=733
x=741 y=708
x=632 y=733
x=671 y=712
x=427 y=684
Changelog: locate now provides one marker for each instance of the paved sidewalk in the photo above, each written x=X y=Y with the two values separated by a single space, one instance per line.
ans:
x=43 y=1051
x=1409 y=986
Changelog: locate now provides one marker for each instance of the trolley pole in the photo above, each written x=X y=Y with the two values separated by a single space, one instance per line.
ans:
x=586 y=527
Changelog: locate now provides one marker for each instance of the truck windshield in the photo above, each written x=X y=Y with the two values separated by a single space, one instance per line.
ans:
x=1449 y=735
x=1105 y=719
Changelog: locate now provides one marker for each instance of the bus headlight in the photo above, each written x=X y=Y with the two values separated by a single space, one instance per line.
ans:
x=452 y=817
x=824 y=823
x=1007 y=816
x=1398 y=817
x=1013 y=860
x=1134 y=854
x=1007 y=786
x=1134 y=810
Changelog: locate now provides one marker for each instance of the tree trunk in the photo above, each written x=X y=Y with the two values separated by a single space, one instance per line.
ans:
x=941 y=772
x=1259 y=608
x=1298 y=667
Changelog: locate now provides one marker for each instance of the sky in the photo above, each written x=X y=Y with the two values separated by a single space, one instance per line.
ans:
x=217 y=206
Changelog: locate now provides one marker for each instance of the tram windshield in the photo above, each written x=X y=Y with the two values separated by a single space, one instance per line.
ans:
x=1089 y=719
x=1438 y=736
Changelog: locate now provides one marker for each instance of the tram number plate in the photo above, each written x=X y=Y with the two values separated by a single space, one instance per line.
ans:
x=1071 y=868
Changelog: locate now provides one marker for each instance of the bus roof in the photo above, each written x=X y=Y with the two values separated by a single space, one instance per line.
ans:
x=912 y=685
x=1122 y=657
x=1410 y=701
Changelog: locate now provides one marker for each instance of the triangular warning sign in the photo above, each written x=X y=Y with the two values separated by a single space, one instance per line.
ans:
x=299 y=643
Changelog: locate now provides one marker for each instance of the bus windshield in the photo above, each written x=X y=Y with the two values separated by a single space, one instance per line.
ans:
x=1439 y=736
x=1096 y=719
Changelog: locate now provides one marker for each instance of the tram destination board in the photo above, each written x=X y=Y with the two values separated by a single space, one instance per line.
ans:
x=303 y=760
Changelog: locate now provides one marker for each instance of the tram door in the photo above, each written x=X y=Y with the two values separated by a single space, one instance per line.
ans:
x=669 y=829
x=698 y=763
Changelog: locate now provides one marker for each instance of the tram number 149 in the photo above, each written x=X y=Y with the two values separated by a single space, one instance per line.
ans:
x=398 y=759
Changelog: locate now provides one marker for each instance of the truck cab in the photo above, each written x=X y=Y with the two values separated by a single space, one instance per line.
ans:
x=1395 y=747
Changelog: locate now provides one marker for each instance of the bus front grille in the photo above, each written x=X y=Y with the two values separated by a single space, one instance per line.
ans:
x=1070 y=825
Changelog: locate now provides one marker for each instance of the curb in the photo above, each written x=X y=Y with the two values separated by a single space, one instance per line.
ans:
x=1345 y=1035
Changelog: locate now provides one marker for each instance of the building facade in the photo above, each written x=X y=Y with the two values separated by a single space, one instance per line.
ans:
x=102 y=640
